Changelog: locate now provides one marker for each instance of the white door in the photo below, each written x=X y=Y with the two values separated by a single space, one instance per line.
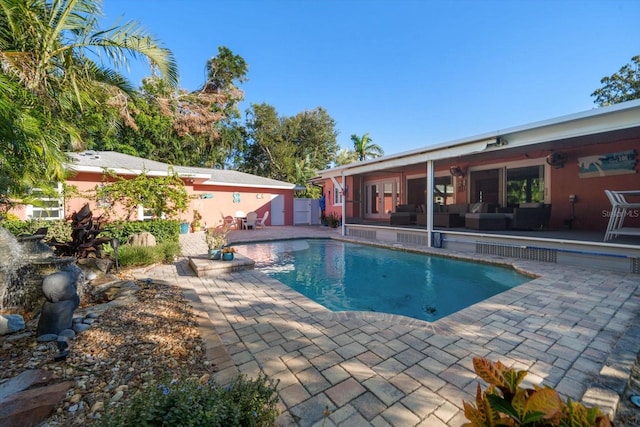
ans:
x=277 y=209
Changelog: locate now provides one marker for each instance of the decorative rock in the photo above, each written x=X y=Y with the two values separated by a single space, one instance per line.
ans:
x=81 y=327
x=68 y=333
x=60 y=286
x=47 y=337
x=92 y=315
x=75 y=398
x=88 y=321
x=97 y=407
x=61 y=356
x=57 y=316
x=23 y=381
x=31 y=407
x=142 y=239
x=91 y=276
x=10 y=323
x=117 y=396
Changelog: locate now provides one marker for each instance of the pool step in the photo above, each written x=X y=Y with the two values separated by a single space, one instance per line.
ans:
x=205 y=267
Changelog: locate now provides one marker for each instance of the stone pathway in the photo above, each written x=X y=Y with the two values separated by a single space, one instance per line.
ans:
x=573 y=329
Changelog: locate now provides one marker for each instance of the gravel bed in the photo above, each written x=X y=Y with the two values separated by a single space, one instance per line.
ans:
x=154 y=333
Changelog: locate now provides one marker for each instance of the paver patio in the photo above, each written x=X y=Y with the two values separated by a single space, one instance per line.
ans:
x=573 y=329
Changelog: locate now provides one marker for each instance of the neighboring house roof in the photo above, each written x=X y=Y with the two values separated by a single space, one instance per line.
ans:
x=623 y=118
x=125 y=164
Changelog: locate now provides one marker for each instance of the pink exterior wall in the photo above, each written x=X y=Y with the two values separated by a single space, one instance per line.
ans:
x=220 y=203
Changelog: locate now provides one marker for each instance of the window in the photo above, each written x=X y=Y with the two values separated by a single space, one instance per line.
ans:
x=337 y=196
x=525 y=185
x=48 y=206
x=144 y=214
x=443 y=193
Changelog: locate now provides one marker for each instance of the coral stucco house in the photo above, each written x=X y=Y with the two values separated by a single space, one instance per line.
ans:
x=535 y=191
x=215 y=192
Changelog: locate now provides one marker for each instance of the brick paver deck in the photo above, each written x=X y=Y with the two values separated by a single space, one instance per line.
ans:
x=573 y=329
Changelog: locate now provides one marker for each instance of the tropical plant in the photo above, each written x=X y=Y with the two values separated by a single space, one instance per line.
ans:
x=163 y=195
x=333 y=220
x=216 y=237
x=365 y=148
x=48 y=77
x=345 y=157
x=621 y=86
x=505 y=403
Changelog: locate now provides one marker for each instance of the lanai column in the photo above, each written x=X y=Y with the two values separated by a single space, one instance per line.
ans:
x=344 y=204
x=429 y=202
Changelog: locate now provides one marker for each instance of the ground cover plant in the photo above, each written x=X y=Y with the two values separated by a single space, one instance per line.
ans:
x=198 y=402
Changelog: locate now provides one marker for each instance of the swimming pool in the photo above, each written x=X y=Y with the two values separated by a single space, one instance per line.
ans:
x=347 y=276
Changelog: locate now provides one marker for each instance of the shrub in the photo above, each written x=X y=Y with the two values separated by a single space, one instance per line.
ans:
x=59 y=230
x=163 y=230
x=132 y=256
x=505 y=403
x=191 y=402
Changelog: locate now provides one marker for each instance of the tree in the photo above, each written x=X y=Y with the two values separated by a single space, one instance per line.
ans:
x=47 y=78
x=275 y=145
x=198 y=128
x=365 y=148
x=345 y=157
x=621 y=86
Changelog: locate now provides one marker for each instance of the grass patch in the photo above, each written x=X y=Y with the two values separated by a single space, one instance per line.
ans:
x=135 y=256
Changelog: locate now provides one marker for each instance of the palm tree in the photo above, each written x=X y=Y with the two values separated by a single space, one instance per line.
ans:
x=365 y=148
x=49 y=73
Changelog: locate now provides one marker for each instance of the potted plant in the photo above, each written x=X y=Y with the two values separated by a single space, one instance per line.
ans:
x=333 y=220
x=227 y=253
x=195 y=224
x=216 y=239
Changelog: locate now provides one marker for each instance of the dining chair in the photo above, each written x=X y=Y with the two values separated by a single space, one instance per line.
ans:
x=230 y=222
x=261 y=222
x=250 y=221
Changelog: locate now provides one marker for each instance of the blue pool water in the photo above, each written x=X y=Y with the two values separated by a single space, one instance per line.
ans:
x=346 y=276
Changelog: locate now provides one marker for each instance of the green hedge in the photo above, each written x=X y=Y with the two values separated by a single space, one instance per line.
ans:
x=58 y=229
x=163 y=230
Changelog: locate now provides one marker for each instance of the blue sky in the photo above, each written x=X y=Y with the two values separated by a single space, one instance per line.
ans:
x=410 y=73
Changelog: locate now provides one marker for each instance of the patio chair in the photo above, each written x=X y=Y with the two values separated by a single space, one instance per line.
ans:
x=260 y=222
x=619 y=208
x=250 y=221
x=230 y=221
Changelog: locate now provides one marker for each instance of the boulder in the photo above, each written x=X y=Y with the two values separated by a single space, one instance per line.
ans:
x=60 y=286
x=142 y=239
x=24 y=380
x=10 y=323
x=32 y=407
x=57 y=316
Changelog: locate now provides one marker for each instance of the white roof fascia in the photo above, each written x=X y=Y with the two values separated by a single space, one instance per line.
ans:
x=579 y=126
x=122 y=171
x=231 y=184
x=603 y=119
x=412 y=157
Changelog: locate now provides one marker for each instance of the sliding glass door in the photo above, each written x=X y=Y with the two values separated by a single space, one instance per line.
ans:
x=381 y=198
